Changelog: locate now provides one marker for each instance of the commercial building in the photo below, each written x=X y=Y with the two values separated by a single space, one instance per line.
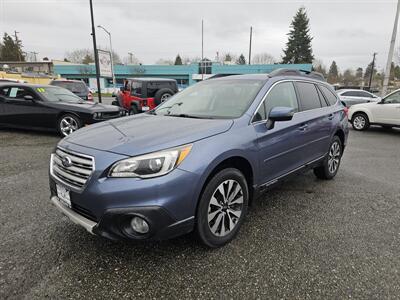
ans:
x=184 y=74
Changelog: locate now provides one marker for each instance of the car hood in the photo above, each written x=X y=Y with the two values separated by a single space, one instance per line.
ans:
x=85 y=106
x=146 y=133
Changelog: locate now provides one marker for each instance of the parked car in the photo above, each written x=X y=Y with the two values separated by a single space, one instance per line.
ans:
x=50 y=108
x=78 y=87
x=143 y=94
x=385 y=113
x=351 y=97
x=203 y=156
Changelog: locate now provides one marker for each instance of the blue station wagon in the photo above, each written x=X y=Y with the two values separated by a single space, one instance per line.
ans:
x=205 y=154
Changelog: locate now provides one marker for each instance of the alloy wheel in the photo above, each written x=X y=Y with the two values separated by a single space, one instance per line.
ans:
x=225 y=208
x=68 y=125
x=359 y=122
x=334 y=157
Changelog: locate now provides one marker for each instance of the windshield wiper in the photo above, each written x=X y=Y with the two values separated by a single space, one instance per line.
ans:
x=187 y=116
x=151 y=112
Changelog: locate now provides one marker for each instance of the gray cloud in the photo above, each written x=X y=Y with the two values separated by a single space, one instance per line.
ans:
x=345 y=31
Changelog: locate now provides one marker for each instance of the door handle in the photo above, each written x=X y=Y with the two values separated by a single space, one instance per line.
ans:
x=330 y=117
x=303 y=127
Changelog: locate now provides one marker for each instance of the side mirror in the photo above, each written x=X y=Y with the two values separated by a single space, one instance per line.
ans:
x=279 y=114
x=28 y=97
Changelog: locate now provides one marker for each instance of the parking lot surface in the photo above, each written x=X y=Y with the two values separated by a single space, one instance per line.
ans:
x=305 y=239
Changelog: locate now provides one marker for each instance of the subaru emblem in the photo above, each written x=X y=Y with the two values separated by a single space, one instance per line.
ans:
x=66 y=161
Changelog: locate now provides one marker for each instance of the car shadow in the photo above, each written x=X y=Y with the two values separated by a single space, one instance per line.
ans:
x=29 y=132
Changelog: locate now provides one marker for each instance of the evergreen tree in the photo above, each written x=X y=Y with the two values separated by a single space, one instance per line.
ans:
x=397 y=72
x=11 y=50
x=178 y=60
x=298 y=48
x=359 y=76
x=333 y=74
x=87 y=59
x=228 y=57
x=241 y=60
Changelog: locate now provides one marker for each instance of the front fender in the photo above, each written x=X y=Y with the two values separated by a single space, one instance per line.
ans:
x=364 y=110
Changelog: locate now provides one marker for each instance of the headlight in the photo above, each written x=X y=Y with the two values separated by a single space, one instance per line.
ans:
x=97 y=115
x=150 y=165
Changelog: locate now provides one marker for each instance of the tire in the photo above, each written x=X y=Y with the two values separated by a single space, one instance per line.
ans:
x=134 y=110
x=360 y=121
x=217 y=221
x=162 y=95
x=67 y=124
x=330 y=165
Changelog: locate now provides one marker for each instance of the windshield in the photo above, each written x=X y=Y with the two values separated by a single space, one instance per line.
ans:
x=75 y=87
x=55 y=94
x=228 y=98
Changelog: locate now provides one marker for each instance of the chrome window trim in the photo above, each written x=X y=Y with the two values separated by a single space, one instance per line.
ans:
x=296 y=113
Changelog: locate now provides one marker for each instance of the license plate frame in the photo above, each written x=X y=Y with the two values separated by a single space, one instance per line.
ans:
x=63 y=195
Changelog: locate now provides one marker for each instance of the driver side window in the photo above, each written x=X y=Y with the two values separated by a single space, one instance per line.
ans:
x=281 y=95
x=393 y=99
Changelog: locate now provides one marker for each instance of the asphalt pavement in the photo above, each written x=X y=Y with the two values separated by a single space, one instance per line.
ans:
x=306 y=239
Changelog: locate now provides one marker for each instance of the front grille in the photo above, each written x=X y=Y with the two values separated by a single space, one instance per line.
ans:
x=75 y=172
x=110 y=115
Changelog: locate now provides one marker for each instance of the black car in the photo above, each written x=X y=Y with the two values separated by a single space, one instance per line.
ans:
x=77 y=87
x=49 y=107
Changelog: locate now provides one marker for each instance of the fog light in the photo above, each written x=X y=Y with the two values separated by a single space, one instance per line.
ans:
x=139 y=225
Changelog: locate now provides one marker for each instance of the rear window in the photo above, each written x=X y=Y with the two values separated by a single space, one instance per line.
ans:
x=75 y=87
x=308 y=96
x=329 y=95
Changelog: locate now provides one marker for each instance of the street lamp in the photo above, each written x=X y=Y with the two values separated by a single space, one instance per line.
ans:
x=112 y=60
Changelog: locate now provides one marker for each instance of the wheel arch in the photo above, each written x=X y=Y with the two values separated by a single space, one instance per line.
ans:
x=235 y=161
x=364 y=111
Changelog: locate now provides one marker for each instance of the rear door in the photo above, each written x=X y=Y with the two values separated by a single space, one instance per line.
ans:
x=317 y=118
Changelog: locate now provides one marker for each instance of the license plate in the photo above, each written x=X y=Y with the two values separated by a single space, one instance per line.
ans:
x=145 y=108
x=63 y=195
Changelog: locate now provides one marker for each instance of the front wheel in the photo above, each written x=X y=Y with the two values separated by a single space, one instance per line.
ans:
x=222 y=208
x=360 y=122
x=68 y=123
x=330 y=165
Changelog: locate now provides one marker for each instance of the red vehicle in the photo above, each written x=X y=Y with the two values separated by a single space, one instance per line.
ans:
x=143 y=94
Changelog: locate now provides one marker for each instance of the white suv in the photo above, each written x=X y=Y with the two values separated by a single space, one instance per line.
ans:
x=385 y=113
x=352 y=97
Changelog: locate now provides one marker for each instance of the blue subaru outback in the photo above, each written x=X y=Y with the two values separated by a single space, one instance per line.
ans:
x=195 y=162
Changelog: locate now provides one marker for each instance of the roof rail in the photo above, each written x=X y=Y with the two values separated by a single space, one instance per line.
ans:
x=295 y=72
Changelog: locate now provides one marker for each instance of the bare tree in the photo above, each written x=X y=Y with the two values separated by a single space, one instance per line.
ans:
x=263 y=58
x=166 y=62
x=131 y=60
x=78 y=55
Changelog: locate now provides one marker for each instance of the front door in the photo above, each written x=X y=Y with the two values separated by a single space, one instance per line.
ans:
x=280 y=148
x=19 y=111
x=388 y=111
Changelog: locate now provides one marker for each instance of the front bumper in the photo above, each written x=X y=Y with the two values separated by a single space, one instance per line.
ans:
x=115 y=223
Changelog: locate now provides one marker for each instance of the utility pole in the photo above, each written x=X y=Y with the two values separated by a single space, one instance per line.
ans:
x=202 y=50
x=130 y=57
x=96 y=56
x=391 y=50
x=34 y=55
x=17 y=43
x=251 y=35
x=372 y=70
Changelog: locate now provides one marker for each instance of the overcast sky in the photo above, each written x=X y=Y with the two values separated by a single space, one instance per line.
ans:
x=345 y=31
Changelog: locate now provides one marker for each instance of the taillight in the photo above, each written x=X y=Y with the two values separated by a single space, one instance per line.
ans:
x=346 y=111
x=90 y=96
